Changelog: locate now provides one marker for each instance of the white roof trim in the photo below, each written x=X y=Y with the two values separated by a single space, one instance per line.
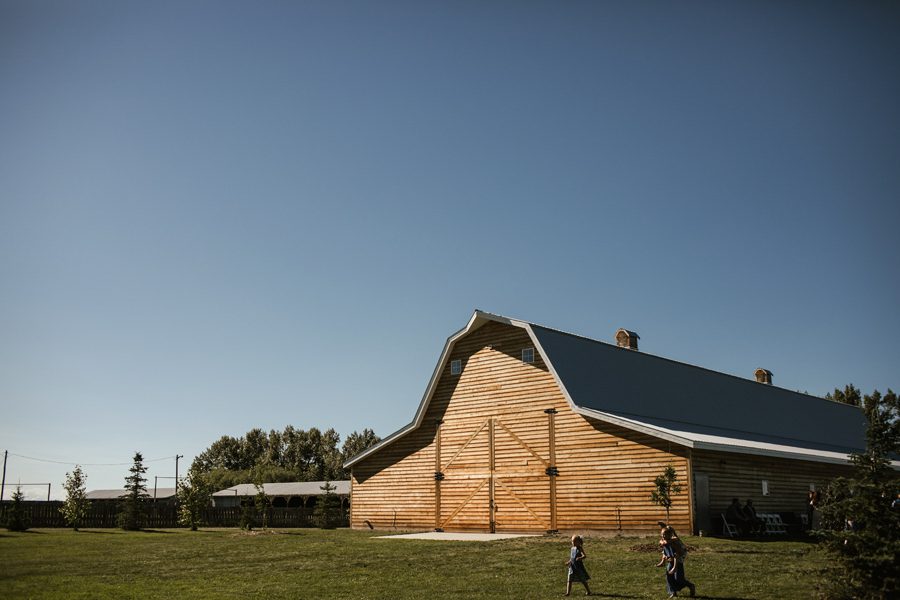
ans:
x=478 y=319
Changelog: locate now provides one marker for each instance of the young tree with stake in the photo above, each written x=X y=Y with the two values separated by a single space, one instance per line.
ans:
x=76 y=506
x=666 y=487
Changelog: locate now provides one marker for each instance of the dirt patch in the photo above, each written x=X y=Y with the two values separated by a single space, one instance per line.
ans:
x=654 y=547
x=258 y=532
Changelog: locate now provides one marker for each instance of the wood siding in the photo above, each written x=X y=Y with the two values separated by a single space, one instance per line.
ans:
x=741 y=475
x=487 y=432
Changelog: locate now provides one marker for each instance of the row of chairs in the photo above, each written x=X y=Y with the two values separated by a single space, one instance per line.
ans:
x=772 y=522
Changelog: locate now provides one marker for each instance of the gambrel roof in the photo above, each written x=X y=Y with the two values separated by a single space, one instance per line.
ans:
x=678 y=402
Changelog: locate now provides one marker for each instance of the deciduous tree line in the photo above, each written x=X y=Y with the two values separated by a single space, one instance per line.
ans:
x=289 y=455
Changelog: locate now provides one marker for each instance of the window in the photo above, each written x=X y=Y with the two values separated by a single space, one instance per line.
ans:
x=455 y=367
x=765 y=487
x=527 y=355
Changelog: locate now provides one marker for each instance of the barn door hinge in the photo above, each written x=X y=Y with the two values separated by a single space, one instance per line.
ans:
x=552 y=471
x=438 y=476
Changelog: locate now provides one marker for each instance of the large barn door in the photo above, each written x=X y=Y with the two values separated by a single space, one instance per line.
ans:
x=494 y=479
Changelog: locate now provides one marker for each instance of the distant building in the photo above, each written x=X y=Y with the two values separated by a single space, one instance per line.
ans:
x=282 y=495
x=166 y=495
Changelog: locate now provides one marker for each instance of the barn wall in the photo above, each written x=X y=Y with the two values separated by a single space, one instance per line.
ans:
x=741 y=475
x=605 y=473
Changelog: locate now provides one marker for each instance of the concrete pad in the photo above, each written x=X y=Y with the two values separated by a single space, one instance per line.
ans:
x=456 y=537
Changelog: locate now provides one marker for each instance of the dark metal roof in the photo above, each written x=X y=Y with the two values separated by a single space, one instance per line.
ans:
x=673 y=395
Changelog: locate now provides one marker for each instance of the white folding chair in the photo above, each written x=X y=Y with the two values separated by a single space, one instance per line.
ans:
x=728 y=529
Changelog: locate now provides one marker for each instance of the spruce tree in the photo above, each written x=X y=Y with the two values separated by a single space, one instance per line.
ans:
x=132 y=508
x=16 y=518
x=327 y=508
x=76 y=506
x=860 y=531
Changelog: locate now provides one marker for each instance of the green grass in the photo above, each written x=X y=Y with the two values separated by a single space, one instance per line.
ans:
x=311 y=563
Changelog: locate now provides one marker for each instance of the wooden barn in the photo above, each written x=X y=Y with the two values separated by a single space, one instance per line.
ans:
x=526 y=428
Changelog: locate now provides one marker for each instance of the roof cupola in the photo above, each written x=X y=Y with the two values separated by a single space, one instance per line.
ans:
x=764 y=376
x=627 y=339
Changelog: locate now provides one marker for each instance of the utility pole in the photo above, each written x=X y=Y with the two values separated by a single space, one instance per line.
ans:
x=177 y=456
x=3 y=485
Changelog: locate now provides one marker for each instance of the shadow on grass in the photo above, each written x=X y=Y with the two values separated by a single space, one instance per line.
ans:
x=802 y=539
x=95 y=532
x=156 y=531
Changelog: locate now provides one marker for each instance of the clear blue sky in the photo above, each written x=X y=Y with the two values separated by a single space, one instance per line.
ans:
x=216 y=216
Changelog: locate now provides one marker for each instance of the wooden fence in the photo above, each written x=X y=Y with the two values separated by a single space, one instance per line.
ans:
x=164 y=515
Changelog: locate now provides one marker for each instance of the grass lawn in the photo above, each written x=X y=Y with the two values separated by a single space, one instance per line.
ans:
x=312 y=563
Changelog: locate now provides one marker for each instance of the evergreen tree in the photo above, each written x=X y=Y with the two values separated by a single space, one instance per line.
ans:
x=194 y=494
x=860 y=531
x=666 y=487
x=16 y=517
x=76 y=506
x=132 y=507
x=328 y=506
x=849 y=395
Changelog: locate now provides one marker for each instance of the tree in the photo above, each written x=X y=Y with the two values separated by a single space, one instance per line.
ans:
x=849 y=395
x=76 y=506
x=224 y=453
x=327 y=511
x=261 y=500
x=666 y=487
x=132 y=509
x=16 y=519
x=356 y=443
x=290 y=455
x=194 y=494
x=859 y=530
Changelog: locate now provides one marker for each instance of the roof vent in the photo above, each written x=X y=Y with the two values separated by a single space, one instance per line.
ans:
x=764 y=376
x=627 y=339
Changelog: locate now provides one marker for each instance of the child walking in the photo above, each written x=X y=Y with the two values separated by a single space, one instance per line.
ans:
x=577 y=572
x=673 y=553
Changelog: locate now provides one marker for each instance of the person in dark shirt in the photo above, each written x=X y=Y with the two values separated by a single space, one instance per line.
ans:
x=754 y=523
x=735 y=515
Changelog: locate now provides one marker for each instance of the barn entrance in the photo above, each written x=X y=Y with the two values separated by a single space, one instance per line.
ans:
x=495 y=474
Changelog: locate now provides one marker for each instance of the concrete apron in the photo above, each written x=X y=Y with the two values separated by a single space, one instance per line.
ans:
x=456 y=537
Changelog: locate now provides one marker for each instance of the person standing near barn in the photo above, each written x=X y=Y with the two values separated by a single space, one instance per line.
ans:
x=577 y=572
x=812 y=501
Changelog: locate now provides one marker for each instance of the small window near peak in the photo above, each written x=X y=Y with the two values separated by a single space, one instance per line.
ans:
x=527 y=355
x=455 y=367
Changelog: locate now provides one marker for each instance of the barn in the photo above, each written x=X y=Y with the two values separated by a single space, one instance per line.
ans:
x=527 y=428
